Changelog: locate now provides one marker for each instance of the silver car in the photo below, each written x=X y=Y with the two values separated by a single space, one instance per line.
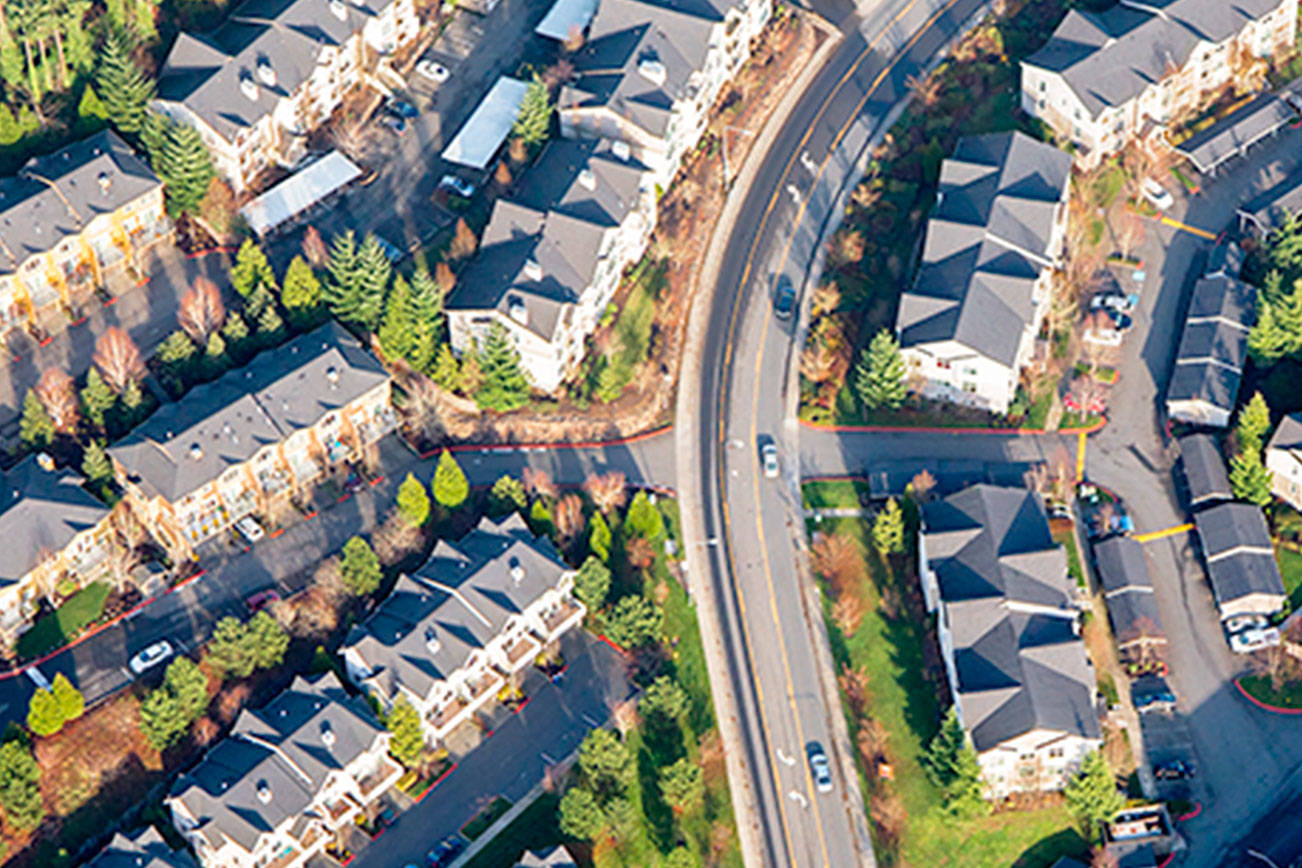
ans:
x=769 y=456
x=151 y=657
x=819 y=767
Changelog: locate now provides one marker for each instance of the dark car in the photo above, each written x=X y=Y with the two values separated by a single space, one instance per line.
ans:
x=445 y=851
x=819 y=767
x=260 y=600
x=1173 y=770
x=402 y=109
x=784 y=302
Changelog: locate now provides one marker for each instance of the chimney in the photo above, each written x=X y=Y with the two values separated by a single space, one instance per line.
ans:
x=431 y=640
x=249 y=87
x=519 y=312
x=105 y=182
x=517 y=572
x=44 y=461
x=652 y=70
x=327 y=735
x=621 y=150
x=266 y=74
x=196 y=451
x=532 y=269
x=264 y=792
x=332 y=374
x=588 y=179
x=339 y=10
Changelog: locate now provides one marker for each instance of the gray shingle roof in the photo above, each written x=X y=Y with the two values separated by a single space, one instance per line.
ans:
x=94 y=176
x=1269 y=210
x=552 y=857
x=145 y=848
x=1109 y=58
x=1214 y=344
x=1237 y=548
x=1128 y=589
x=1265 y=115
x=1121 y=564
x=40 y=512
x=190 y=442
x=1204 y=469
x=987 y=241
x=1288 y=434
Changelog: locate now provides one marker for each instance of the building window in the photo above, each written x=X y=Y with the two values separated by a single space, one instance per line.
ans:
x=1055 y=753
x=1042 y=86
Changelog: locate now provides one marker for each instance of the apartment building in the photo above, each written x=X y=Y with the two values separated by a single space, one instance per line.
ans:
x=1284 y=460
x=1107 y=77
x=289 y=776
x=649 y=73
x=233 y=447
x=71 y=219
x=56 y=532
x=1022 y=683
x=968 y=324
x=451 y=636
x=553 y=254
x=274 y=71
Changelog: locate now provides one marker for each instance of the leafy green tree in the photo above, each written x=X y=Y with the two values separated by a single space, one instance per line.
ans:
x=965 y=793
x=507 y=495
x=1092 y=796
x=427 y=320
x=540 y=519
x=186 y=168
x=634 y=621
x=189 y=685
x=301 y=294
x=592 y=583
x=623 y=819
x=533 y=124
x=1253 y=423
x=97 y=399
x=35 y=427
x=360 y=568
x=580 y=815
x=941 y=759
x=407 y=741
x=504 y=387
x=91 y=115
x=879 y=377
x=606 y=762
x=888 y=529
x=252 y=271
x=72 y=704
x=413 y=501
x=1249 y=478
x=447 y=372
x=681 y=857
x=643 y=519
x=124 y=90
x=44 y=717
x=95 y=464
x=664 y=699
x=450 y=485
x=397 y=326
x=682 y=786
x=20 y=786
x=10 y=132
x=229 y=651
x=268 y=640
x=599 y=536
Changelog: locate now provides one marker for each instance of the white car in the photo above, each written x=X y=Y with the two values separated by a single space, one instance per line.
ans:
x=1156 y=194
x=459 y=186
x=769 y=455
x=819 y=767
x=151 y=657
x=434 y=71
x=1254 y=639
x=250 y=529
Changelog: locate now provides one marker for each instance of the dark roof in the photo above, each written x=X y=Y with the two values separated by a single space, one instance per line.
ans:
x=552 y=857
x=1134 y=616
x=190 y=442
x=1269 y=210
x=1288 y=434
x=1231 y=526
x=145 y=848
x=1264 y=115
x=58 y=195
x=1204 y=469
x=1110 y=57
x=40 y=512
x=1121 y=564
x=987 y=241
x=1237 y=548
x=1214 y=344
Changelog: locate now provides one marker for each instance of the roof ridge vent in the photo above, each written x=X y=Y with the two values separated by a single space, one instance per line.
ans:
x=105 y=182
x=332 y=374
x=249 y=87
x=339 y=9
x=196 y=452
x=327 y=734
x=432 y=640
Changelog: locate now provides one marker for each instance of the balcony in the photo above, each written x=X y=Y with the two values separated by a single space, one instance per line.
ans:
x=521 y=651
x=340 y=811
x=274 y=482
x=379 y=781
x=560 y=619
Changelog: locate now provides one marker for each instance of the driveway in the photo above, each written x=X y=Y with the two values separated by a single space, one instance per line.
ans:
x=826 y=452
x=517 y=756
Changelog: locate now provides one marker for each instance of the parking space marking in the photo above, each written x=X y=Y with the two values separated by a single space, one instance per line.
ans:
x=1163 y=533
x=1192 y=230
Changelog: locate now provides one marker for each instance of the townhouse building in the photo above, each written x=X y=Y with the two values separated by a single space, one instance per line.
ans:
x=144 y=848
x=276 y=70
x=1284 y=460
x=1208 y=370
x=70 y=220
x=1104 y=78
x=235 y=446
x=967 y=325
x=452 y=635
x=1240 y=559
x=1022 y=684
x=553 y=254
x=55 y=533
x=289 y=777
x=649 y=73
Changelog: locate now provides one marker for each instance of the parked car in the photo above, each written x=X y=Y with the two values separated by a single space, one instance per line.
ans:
x=433 y=70
x=1239 y=623
x=151 y=657
x=459 y=186
x=250 y=529
x=1254 y=639
x=445 y=851
x=784 y=300
x=1114 y=301
x=395 y=125
x=401 y=108
x=769 y=457
x=261 y=600
x=1121 y=321
x=1156 y=194
x=819 y=767
x=1173 y=770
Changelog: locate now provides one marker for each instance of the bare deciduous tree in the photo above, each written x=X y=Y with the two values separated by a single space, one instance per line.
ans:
x=825 y=299
x=539 y=483
x=201 y=311
x=118 y=358
x=58 y=395
x=568 y=517
x=847 y=612
x=837 y=559
x=922 y=484
x=607 y=490
x=314 y=248
x=871 y=739
x=854 y=684
x=925 y=89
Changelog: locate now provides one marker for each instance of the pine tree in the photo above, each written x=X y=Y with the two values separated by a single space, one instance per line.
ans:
x=450 y=485
x=397 y=326
x=301 y=295
x=407 y=741
x=252 y=271
x=268 y=640
x=177 y=355
x=413 y=501
x=643 y=519
x=10 y=131
x=235 y=332
x=186 y=169
x=682 y=786
x=540 y=519
x=888 y=529
x=228 y=649
x=341 y=289
x=20 y=786
x=189 y=685
x=941 y=759
x=605 y=762
x=35 y=428
x=153 y=135
x=360 y=568
x=633 y=621
x=1249 y=478
x=592 y=583
x=507 y=495
x=965 y=794
x=579 y=814
x=162 y=720
x=1253 y=423
x=664 y=699
x=1092 y=796
x=373 y=272
x=44 y=717
x=124 y=90
x=1267 y=342
x=95 y=464
x=271 y=327
x=97 y=399
x=427 y=320
x=91 y=114
x=533 y=124
x=879 y=378
x=599 y=536
x=446 y=373
x=504 y=386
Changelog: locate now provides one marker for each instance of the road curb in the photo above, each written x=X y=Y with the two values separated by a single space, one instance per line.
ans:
x=935 y=429
x=1264 y=706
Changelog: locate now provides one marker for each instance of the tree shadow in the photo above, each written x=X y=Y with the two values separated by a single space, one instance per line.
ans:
x=1046 y=851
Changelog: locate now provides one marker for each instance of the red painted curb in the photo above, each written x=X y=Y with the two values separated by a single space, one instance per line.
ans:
x=344 y=497
x=1264 y=706
x=311 y=515
x=275 y=533
x=436 y=782
x=376 y=481
x=1167 y=861
x=602 y=637
x=348 y=860
x=519 y=708
x=515 y=447
x=186 y=581
x=1198 y=809
x=922 y=429
x=110 y=301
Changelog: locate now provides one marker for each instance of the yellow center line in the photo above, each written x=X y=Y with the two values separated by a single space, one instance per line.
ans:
x=1163 y=533
x=1080 y=455
x=1193 y=230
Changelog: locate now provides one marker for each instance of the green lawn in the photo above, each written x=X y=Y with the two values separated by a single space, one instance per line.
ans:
x=61 y=625
x=1290 y=567
x=904 y=701
x=534 y=829
x=834 y=494
x=480 y=822
x=1068 y=540
x=1288 y=696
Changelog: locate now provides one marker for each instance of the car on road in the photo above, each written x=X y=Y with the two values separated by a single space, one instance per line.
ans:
x=394 y=124
x=769 y=458
x=819 y=767
x=1254 y=639
x=433 y=70
x=784 y=300
x=151 y=657
x=1173 y=770
x=260 y=600
x=1156 y=194
x=457 y=185
x=445 y=852
x=250 y=529
x=401 y=109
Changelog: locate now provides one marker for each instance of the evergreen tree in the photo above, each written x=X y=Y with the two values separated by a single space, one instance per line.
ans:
x=20 y=786
x=1249 y=478
x=301 y=295
x=44 y=716
x=1267 y=342
x=664 y=699
x=373 y=272
x=941 y=759
x=97 y=399
x=10 y=132
x=95 y=464
x=599 y=537
x=888 y=529
x=592 y=583
x=72 y=704
x=268 y=640
x=427 y=320
x=91 y=114
x=132 y=397
x=965 y=794
x=252 y=271
x=186 y=168
x=177 y=355
x=35 y=428
x=407 y=740
x=271 y=328
x=682 y=786
x=450 y=485
x=360 y=568
x=397 y=326
x=1092 y=796
x=1253 y=423
x=634 y=621
x=580 y=815
x=605 y=762
x=504 y=386
x=153 y=135
x=681 y=857
x=506 y=496
x=162 y=720
x=643 y=519
x=215 y=354
x=413 y=501
x=229 y=652
x=124 y=90
x=189 y=685
x=341 y=290
x=540 y=519
x=533 y=123
x=235 y=332
x=446 y=373
x=879 y=378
